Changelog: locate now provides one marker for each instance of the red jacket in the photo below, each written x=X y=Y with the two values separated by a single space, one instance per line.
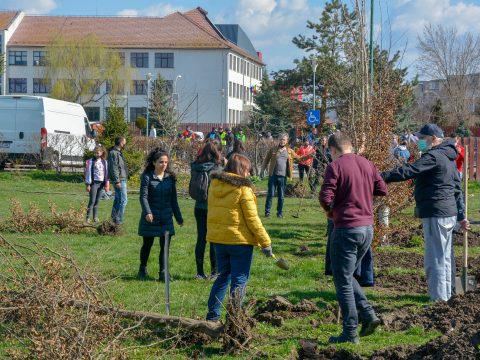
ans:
x=461 y=157
x=304 y=151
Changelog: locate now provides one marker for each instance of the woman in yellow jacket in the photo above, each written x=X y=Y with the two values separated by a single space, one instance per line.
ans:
x=233 y=226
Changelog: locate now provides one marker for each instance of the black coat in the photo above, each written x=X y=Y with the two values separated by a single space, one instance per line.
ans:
x=437 y=185
x=159 y=198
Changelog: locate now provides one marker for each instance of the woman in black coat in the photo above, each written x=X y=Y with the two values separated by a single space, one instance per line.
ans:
x=158 y=198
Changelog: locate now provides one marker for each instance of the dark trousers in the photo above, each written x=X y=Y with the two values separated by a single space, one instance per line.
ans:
x=233 y=264
x=147 y=246
x=305 y=169
x=201 y=218
x=94 y=197
x=348 y=247
x=275 y=184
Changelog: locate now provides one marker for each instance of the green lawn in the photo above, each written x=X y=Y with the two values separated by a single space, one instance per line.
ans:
x=118 y=258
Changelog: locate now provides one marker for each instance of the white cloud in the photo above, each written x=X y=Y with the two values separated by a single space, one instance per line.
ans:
x=160 y=9
x=30 y=6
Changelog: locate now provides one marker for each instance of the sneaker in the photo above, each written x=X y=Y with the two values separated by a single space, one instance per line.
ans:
x=343 y=339
x=280 y=216
x=213 y=276
x=267 y=215
x=368 y=327
x=87 y=220
x=201 y=277
x=142 y=273
x=161 y=277
x=96 y=220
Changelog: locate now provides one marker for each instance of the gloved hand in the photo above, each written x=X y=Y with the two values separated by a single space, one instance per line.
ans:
x=267 y=251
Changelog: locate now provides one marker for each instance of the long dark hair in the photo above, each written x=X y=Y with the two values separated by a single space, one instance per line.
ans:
x=238 y=146
x=153 y=156
x=209 y=153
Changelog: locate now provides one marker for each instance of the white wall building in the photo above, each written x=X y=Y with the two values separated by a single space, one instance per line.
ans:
x=213 y=72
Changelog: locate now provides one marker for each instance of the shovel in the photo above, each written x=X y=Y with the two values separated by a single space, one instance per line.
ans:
x=465 y=283
x=281 y=263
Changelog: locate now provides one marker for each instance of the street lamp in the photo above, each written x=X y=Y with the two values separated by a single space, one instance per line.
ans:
x=314 y=67
x=175 y=94
x=149 y=78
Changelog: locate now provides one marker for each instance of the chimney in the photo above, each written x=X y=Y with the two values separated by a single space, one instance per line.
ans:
x=260 y=56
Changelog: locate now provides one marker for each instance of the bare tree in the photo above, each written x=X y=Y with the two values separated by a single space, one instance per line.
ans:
x=454 y=60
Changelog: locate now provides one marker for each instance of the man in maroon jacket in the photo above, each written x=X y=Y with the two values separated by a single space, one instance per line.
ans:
x=351 y=182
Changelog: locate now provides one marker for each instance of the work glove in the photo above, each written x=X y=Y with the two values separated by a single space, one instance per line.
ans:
x=267 y=251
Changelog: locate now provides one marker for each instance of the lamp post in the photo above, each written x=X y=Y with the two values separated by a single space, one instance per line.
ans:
x=175 y=94
x=314 y=68
x=149 y=78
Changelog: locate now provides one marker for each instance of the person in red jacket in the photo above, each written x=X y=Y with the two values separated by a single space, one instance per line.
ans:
x=304 y=166
x=461 y=154
x=351 y=182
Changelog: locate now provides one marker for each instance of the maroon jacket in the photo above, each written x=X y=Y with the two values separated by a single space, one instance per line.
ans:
x=350 y=183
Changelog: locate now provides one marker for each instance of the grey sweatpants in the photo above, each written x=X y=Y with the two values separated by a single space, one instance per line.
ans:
x=438 y=256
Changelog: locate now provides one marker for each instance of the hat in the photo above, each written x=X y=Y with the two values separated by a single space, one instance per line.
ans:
x=228 y=129
x=430 y=130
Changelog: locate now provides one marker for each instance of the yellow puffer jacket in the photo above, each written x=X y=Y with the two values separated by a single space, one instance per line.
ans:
x=232 y=212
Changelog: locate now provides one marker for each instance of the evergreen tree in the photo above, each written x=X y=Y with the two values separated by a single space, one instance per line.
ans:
x=162 y=110
x=114 y=126
x=437 y=116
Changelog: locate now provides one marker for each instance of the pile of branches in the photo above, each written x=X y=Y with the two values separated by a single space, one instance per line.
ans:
x=34 y=221
x=53 y=309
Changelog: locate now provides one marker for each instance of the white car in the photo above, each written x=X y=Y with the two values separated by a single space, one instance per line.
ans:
x=43 y=131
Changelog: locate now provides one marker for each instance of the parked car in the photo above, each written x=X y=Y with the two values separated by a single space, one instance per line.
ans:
x=43 y=131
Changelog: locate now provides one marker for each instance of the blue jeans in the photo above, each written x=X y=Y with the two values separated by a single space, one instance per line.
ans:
x=275 y=183
x=119 y=203
x=348 y=247
x=233 y=265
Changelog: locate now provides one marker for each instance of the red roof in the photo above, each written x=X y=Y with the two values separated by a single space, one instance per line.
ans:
x=190 y=30
x=6 y=18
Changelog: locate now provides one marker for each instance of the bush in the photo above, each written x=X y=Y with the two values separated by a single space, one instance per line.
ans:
x=115 y=126
x=141 y=123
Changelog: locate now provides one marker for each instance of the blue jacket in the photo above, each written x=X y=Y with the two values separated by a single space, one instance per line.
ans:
x=159 y=198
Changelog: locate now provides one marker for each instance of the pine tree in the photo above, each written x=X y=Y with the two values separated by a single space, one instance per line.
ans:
x=114 y=126
x=162 y=110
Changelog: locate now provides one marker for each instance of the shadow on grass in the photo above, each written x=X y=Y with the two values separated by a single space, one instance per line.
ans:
x=53 y=176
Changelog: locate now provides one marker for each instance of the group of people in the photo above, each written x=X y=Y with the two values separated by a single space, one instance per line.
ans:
x=227 y=217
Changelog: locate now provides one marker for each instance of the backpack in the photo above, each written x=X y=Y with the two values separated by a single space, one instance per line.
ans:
x=198 y=187
x=213 y=136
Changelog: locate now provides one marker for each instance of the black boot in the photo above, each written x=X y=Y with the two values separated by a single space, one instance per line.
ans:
x=142 y=273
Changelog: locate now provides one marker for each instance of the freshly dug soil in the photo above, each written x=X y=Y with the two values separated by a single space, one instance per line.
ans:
x=473 y=238
x=384 y=260
x=460 y=310
x=277 y=308
x=309 y=351
x=402 y=234
x=406 y=283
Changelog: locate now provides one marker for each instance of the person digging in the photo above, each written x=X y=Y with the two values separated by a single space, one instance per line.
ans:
x=438 y=200
x=351 y=182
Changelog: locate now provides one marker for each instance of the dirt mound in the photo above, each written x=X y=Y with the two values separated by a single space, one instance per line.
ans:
x=462 y=343
x=109 y=228
x=309 y=351
x=408 y=283
x=384 y=260
x=277 y=308
x=402 y=234
x=473 y=238
x=460 y=310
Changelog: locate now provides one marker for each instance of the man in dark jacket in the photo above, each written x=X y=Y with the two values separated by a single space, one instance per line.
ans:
x=438 y=203
x=118 y=174
x=351 y=182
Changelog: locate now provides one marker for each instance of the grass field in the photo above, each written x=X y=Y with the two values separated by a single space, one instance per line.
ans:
x=117 y=258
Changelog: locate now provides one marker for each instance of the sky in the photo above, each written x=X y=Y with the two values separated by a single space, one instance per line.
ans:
x=271 y=24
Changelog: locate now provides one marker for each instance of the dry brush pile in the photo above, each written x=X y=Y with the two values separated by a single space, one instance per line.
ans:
x=35 y=221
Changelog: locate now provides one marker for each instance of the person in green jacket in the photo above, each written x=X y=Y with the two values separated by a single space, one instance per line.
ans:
x=240 y=136
x=222 y=135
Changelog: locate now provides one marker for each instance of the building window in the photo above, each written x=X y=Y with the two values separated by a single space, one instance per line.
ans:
x=17 y=85
x=136 y=112
x=139 y=87
x=234 y=63
x=164 y=60
x=120 y=89
x=230 y=63
x=93 y=113
x=139 y=60
x=17 y=58
x=39 y=58
x=41 y=86
x=230 y=90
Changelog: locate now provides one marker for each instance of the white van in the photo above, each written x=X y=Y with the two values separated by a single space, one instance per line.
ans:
x=43 y=130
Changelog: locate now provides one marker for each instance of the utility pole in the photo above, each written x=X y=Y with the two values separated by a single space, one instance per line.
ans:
x=372 y=6
x=314 y=67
